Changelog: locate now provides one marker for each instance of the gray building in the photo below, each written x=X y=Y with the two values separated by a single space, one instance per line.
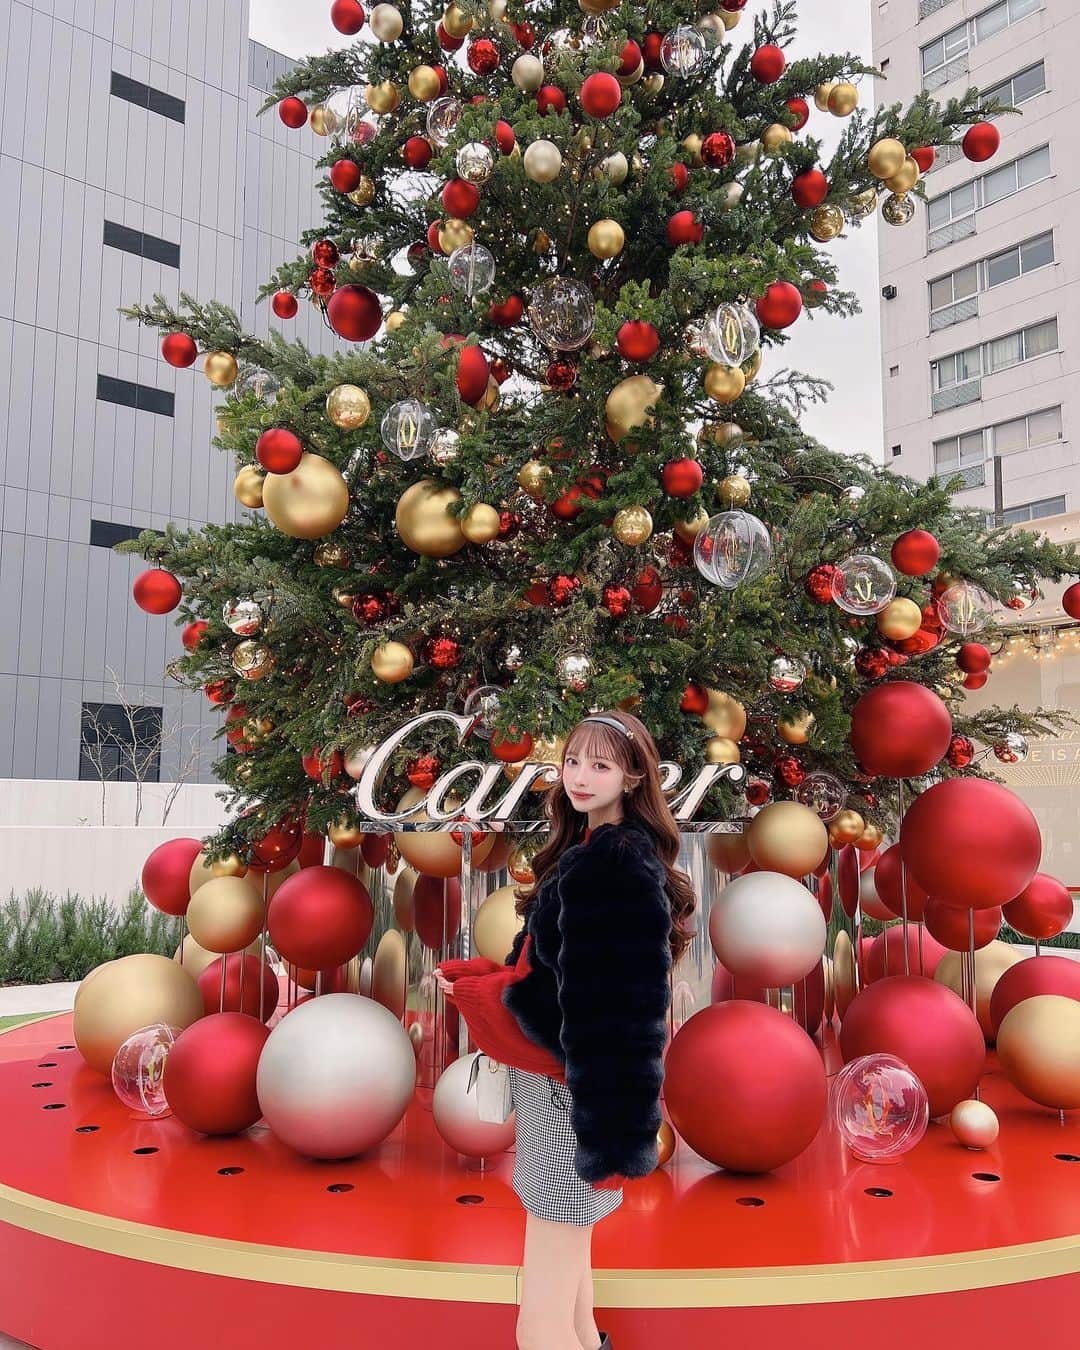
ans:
x=131 y=162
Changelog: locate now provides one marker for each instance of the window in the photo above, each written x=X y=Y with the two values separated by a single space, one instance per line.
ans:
x=955 y=453
x=1024 y=85
x=1049 y=506
x=131 y=395
x=120 y=744
x=133 y=91
x=896 y=451
x=997 y=354
x=991 y=187
x=956 y=43
x=893 y=372
x=958 y=452
x=984 y=275
x=143 y=245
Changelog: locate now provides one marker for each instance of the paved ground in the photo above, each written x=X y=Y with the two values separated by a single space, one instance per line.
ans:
x=35 y=998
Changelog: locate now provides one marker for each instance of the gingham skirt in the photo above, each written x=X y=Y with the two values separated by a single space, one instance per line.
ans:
x=544 y=1176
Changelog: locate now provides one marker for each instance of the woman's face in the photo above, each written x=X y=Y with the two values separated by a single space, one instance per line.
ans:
x=591 y=781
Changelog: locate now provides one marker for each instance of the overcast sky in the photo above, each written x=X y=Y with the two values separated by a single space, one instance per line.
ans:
x=844 y=351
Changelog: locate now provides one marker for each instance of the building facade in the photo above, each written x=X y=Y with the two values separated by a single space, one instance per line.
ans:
x=131 y=163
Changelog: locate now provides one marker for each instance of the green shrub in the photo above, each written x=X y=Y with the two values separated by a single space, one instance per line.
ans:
x=871 y=928
x=44 y=937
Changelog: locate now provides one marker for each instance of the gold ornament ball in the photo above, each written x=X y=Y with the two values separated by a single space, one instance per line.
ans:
x=901 y=618
x=1038 y=1046
x=905 y=178
x=383 y=97
x=496 y=924
x=394 y=320
x=345 y=832
x=728 y=17
x=991 y=962
x=343 y=596
x=201 y=872
x=122 y=996
x=252 y=659
x=480 y=524
x=787 y=837
x=733 y=491
x=309 y=502
x=520 y=863
x=863 y=204
x=845 y=827
x=826 y=222
x=232 y=865
x=456 y=22
x=392 y=662
x=532 y=478
x=404 y=909
x=322 y=121
x=386 y=23
x=720 y=433
x=973 y=1123
x=331 y=554
x=628 y=404
x=632 y=526
x=688 y=530
x=665 y=1144
x=692 y=145
x=871 y=837
x=751 y=366
x=547 y=750
x=723 y=383
x=363 y=192
x=606 y=239
x=348 y=406
x=721 y=750
x=728 y=853
x=795 y=728
x=821 y=95
x=220 y=368
x=424 y=524
x=774 y=136
x=454 y=234
x=886 y=157
x=843 y=99
x=226 y=914
x=725 y=716
x=424 y=83
x=195 y=958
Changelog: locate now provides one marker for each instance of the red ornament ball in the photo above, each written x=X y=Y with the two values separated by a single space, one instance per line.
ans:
x=789 y=770
x=524 y=33
x=156 y=591
x=684 y=228
x=601 y=94
x=949 y=925
x=1034 y=975
x=192 y=633
x=510 y=523
x=278 y=450
x=166 y=875
x=960 y=753
x=417 y=152
x=443 y=653
x=483 y=56
x=446 y=42
x=695 y=700
x=511 y=746
x=561 y=590
x=872 y=662
x=209 y=983
x=637 y=340
x=324 y=253
x=915 y=552
x=275 y=850
x=1043 y=909
x=347 y=16
x=179 y=350
x=879 y=961
x=809 y=189
x=210 y=1074
x=800 y=110
x=892 y=888
x=757 y=792
x=780 y=306
x=284 y=304
x=472 y=374
x=616 y=600
x=681 y=477
x=767 y=64
x=650 y=51
x=550 y=98
x=322 y=281
x=369 y=608
x=320 y=917
x=976 y=681
x=293 y=111
x=814 y=293
x=505 y=138
x=218 y=691
x=317 y=765
x=436 y=910
x=423 y=771
x=647 y=591
x=680 y=178
x=981 y=141
x=973 y=658
x=1070 y=601
x=818 y=583
x=561 y=374
x=900 y=729
x=354 y=313
x=717 y=150
x=460 y=198
x=924 y=156
x=629 y=57
x=507 y=312
x=345 y=175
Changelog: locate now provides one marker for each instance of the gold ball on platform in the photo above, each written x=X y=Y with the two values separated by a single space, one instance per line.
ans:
x=688 y=530
x=727 y=852
x=1038 y=1046
x=721 y=750
x=431 y=852
x=886 y=157
x=424 y=524
x=424 y=83
x=821 y=95
x=383 y=97
x=480 y=523
x=454 y=233
x=787 y=837
x=845 y=828
x=723 y=383
x=309 y=502
x=632 y=526
x=496 y=924
x=628 y=404
x=795 y=728
x=404 y=911
x=389 y=972
x=900 y=619
x=974 y=1124
x=532 y=477
x=202 y=872
x=606 y=239
x=248 y=486
x=392 y=662
x=775 y=135
x=725 y=716
x=121 y=997
x=843 y=99
x=196 y=958
x=220 y=368
x=226 y=914
x=991 y=962
x=733 y=491
x=665 y=1144
x=826 y=222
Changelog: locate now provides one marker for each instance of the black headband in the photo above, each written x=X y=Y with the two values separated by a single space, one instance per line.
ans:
x=611 y=722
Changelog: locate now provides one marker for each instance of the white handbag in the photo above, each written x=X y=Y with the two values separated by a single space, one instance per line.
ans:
x=494 y=1102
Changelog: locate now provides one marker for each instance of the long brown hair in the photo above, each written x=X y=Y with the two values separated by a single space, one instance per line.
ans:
x=645 y=803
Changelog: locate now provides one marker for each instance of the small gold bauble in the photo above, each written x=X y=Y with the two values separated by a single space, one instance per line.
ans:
x=386 y=22
x=392 y=662
x=541 y=242
x=232 y=865
x=256 y=729
x=719 y=433
x=653 y=83
x=774 y=136
x=248 y=486
x=423 y=522
x=870 y=838
x=456 y=22
x=547 y=750
x=688 y=530
x=394 y=320
x=322 y=121
x=454 y=233
x=821 y=95
x=843 y=99
x=863 y=204
x=363 y=192
x=542 y=161
x=725 y=716
x=226 y=914
x=733 y=491
x=532 y=478
x=628 y=403
x=787 y=837
x=606 y=239
x=728 y=17
x=795 y=728
x=900 y=619
x=751 y=366
x=383 y=97
x=220 y=368
x=723 y=383
x=845 y=827
x=692 y=145
x=632 y=525
x=348 y=406
x=244 y=771
x=251 y=659
x=424 y=83
x=490 y=400
x=974 y=1123
x=331 y=554
x=905 y=178
x=886 y=157
x=480 y=523
x=345 y=833
x=826 y=222
x=721 y=750
x=343 y=596
x=120 y=997
x=309 y=502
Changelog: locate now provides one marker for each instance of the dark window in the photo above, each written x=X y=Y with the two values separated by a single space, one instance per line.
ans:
x=132 y=395
x=896 y=450
x=143 y=245
x=134 y=91
x=106 y=533
x=120 y=744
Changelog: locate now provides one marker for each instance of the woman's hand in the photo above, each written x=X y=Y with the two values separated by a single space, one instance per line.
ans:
x=445 y=987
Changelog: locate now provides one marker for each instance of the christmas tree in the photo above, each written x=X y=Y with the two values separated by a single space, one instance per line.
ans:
x=558 y=467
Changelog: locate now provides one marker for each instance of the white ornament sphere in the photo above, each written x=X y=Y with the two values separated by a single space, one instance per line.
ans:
x=454 y=1110
x=542 y=161
x=767 y=928
x=527 y=72
x=869 y=901
x=614 y=168
x=386 y=23
x=335 y=1076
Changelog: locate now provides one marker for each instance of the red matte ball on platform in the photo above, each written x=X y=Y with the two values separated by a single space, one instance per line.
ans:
x=767 y=64
x=320 y=917
x=915 y=552
x=1043 y=909
x=156 y=591
x=285 y=304
x=345 y=174
x=179 y=349
x=1070 y=601
x=637 y=340
x=375 y=849
x=800 y=110
x=745 y=1086
x=312 y=850
x=354 y=313
x=210 y=1073
x=417 y=152
x=278 y=450
x=981 y=141
x=684 y=228
x=949 y=925
x=887 y=883
x=927 y=1026
x=780 y=306
x=1033 y=976
x=550 y=98
x=460 y=198
x=347 y=16
x=900 y=729
x=809 y=189
x=601 y=94
x=293 y=111
x=971 y=842
x=210 y=986
x=681 y=477
x=166 y=875
x=436 y=911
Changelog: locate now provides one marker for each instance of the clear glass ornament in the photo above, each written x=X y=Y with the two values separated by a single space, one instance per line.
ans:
x=897 y=209
x=734 y=547
x=823 y=793
x=483 y=704
x=513 y=658
x=407 y=428
x=242 y=617
x=558 y=42
x=443 y=115
x=1012 y=748
x=786 y=674
x=594 y=28
x=880 y=1107
x=562 y=313
x=694 y=337
x=474 y=162
x=683 y=50
x=472 y=268
x=731 y=334
x=573 y=670
x=260 y=383
x=852 y=496
x=344 y=110
x=138 y=1069
x=863 y=584
x=445 y=446
x=964 y=608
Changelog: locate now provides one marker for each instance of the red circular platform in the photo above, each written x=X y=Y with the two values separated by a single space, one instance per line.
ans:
x=118 y=1231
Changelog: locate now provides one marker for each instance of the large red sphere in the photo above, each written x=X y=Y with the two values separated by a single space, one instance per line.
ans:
x=900 y=729
x=460 y=198
x=345 y=174
x=210 y=986
x=354 y=313
x=436 y=911
x=681 y=477
x=1043 y=909
x=767 y=64
x=809 y=189
x=981 y=141
x=637 y=340
x=887 y=883
x=809 y=994
x=472 y=374
x=320 y=917
x=179 y=349
x=601 y=94
x=885 y=954
x=1070 y=601
x=417 y=152
x=684 y=228
x=915 y=552
x=166 y=875
x=347 y=16
x=745 y=1086
x=284 y=304
x=1028 y=978
x=293 y=111
x=927 y=1026
x=949 y=925
x=971 y=842
x=312 y=850
x=156 y=591
x=780 y=306
x=278 y=450
x=210 y=1073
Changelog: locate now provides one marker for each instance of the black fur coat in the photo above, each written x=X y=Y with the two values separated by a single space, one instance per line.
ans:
x=598 y=992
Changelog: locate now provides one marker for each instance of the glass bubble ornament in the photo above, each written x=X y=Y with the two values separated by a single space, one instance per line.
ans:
x=897 y=209
x=474 y=162
x=558 y=42
x=683 y=50
x=863 y=584
x=786 y=673
x=733 y=547
x=258 y=382
x=823 y=793
x=731 y=334
x=407 y=428
x=472 y=268
x=880 y=1108
x=1012 y=748
x=443 y=115
x=573 y=670
x=483 y=704
x=964 y=608
x=242 y=617
x=344 y=110
x=138 y=1069
x=445 y=446
x=562 y=313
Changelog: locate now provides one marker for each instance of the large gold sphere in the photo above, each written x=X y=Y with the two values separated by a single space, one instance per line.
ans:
x=1038 y=1045
x=125 y=995
x=632 y=525
x=532 y=478
x=309 y=502
x=232 y=865
x=423 y=522
x=900 y=619
x=991 y=962
x=845 y=828
x=196 y=958
x=774 y=136
x=843 y=99
x=424 y=83
x=787 y=837
x=723 y=383
x=392 y=662
x=248 y=486
x=547 y=750
x=202 y=872
x=226 y=914
x=795 y=728
x=628 y=404
x=727 y=852
x=821 y=95
x=404 y=912
x=688 y=530
x=725 y=716
x=905 y=178
x=383 y=97
x=733 y=491
x=454 y=233
x=721 y=750
x=331 y=554
x=480 y=523
x=496 y=924
x=606 y=239
x=826 y=222
x=886 y=157
x=220 y=368
x=456 y=21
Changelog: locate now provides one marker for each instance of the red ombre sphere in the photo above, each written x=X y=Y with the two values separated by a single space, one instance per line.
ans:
x=1033 y=976
x=166 y=875
x=900 y=729
x=210 y=986
x=179 y=350
x=156 y=591
x=320 y=917
x=210 y=1073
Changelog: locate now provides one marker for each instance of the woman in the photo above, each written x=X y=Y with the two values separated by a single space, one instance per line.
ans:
x=579 y=1012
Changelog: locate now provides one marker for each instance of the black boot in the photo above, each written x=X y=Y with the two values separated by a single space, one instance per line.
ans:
x=605 y=1342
